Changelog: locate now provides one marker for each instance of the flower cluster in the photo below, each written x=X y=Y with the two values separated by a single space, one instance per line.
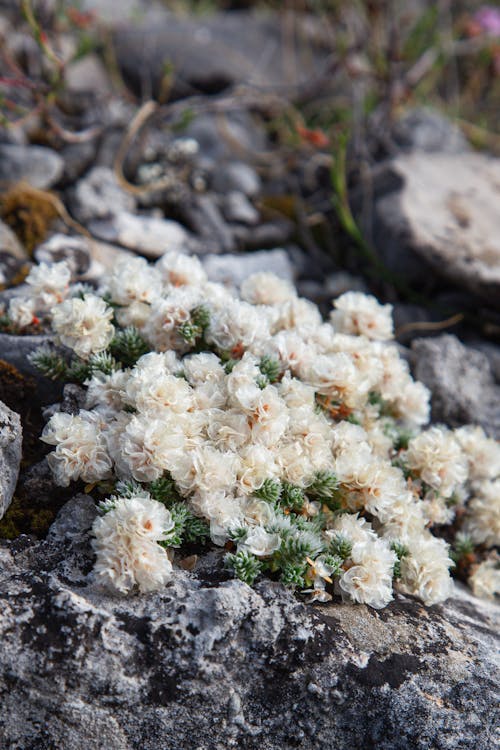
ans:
x=245 y=419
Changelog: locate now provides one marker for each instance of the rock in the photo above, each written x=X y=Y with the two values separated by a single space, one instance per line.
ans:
x=39 y=166
x=462 y=383
x=11 y=440
x=237 y=207
x=78 y=157
x=444 y=219
x=226 y=136
x=146 y=235
x=9 y=243
x=99 y=196
x=203 y=216
x=267 y=235
x=212 y=53
x=88 y=74
x=74 y=250
x=237 y=176
x=491 y=352
x=428 y=130
x=233 y=269
x=73 y=521
x=15 y=350
x=209 y=663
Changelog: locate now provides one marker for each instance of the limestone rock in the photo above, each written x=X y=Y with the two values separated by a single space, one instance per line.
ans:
x=11 y=438
x=209 y=663
x=41 y=167
x=232 y=270
x=98 y=196
x=443 y=217
x=461 y=380
x=144 y=234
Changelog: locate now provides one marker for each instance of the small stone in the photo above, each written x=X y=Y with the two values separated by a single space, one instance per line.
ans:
x=73 y=520
x=427 y=130
x=237 y=176
x=61 y=247
x=444 y=219
x=41 y=167
x=11 y=438
x=232 y=270
x=146 y=235
x=462 y=383
x=15 y=350
x=99 y=196
x=237 y=207
x=10 y=244
x=205 y=219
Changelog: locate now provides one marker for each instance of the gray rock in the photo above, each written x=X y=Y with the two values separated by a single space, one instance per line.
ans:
x=204 y=217
x=10 y=244
x=428 y=130
x=39 y=166
x=237 y=176
x=226 y=136
x=99 y=196
x=74 y=250
x=209 y=663
x=143 y=234
x=462 y=383
x=492 y=352
x=238 y=208
x=443 y=219
x=15 y=350
x=73 y=521
x=212 y=53
x=11 y=440
x=232 y=270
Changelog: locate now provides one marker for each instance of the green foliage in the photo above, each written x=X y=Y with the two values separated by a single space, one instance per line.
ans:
x=270 y=491
x=294 y=574
x=340 y=547
x=49 y=362
x=164 y=490
x=401 y=551
x=270 y=368
x=128 y=346
x=81 y=370
x=238 y=534
x=462 y=546
x=187 y=527
x=245 y=566
x=292 y=497
x=335 y=562
x=194 y=329
x=128 y=488
x=323 y=487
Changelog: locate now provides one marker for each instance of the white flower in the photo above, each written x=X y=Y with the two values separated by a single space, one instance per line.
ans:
x=438 y=459
x=266 y=288
x=133 y=280
x=126 y=544
x=49 y=284
x=146 y=447
x=107 y=390
x=260 y=542
x=152 y=392
x=181 y=270
x=485 y=578
x=256 y=465
x=21 y=311
x=369 y=579
x=482 y=521
x=483 y=453
x=84 y=325
x=361 y=314
x=81 y=451
x=425 y=570
x=237 y=326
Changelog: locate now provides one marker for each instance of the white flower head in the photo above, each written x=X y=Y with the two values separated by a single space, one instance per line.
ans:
x=363 y=315
x=126 y=544
x=84 y=325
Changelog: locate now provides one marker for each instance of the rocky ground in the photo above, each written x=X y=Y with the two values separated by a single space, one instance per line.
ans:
x=193 y=150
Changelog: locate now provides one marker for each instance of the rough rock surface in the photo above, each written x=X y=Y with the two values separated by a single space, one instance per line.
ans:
x=41 y=167
x=444 y=212
x=461 y=380
x=210 y=663
x=11 y=438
